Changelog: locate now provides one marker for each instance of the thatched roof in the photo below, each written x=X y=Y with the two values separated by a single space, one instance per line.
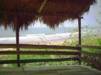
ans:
x=51 y=12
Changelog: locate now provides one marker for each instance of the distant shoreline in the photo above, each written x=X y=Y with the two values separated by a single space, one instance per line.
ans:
x=57 y=38
x=37 y=39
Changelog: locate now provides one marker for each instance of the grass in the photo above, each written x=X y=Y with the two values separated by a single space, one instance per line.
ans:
x=92 y=41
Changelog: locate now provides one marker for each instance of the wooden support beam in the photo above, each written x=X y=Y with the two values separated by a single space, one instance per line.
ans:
x=17 y=42
x=79 y=29
x=42 y=6
x=79 y=37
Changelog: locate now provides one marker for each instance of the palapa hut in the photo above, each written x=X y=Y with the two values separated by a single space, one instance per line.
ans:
x=51 y=12
x=20 y=13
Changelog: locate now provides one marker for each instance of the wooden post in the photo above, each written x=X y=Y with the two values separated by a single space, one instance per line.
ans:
x=17 y=43
x=79 y=37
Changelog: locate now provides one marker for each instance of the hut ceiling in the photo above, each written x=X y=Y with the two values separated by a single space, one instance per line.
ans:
x=52 y=12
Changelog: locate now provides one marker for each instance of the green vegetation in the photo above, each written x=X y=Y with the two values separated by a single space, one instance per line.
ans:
x=93 y=41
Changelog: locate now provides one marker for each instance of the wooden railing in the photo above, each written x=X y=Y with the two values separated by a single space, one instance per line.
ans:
x=54 y=51
x=76 y=52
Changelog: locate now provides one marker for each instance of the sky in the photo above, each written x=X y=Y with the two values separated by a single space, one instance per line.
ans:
x=89 y=18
